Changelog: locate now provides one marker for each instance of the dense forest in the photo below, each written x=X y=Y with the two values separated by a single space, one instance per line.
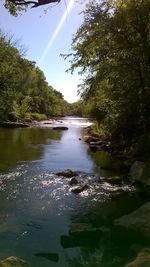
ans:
x=112 y=51
x=24 y=91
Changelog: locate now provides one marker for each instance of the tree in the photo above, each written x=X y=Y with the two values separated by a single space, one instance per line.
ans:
x=112 y=49
x=15 y=6
x=24 y=91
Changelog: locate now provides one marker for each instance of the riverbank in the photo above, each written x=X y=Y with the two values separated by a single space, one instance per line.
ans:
x=101 y=142
x=135 y=157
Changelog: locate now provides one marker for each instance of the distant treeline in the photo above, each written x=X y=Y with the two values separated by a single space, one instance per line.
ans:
x=24 y=91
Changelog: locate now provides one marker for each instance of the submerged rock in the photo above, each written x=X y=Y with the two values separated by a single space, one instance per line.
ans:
x=14 y=262
x=67 y=173
x=81 y=235
x=138 y=220
x=83 y=230
x=69 y=241
x=79 y=189
x=140 y=171
x=142 y=260
x=49 y=256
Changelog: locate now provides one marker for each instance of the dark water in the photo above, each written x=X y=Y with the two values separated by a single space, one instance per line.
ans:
x=38 y=209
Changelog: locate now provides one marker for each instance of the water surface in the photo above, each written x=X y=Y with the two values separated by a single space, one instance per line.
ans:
x=38 y=209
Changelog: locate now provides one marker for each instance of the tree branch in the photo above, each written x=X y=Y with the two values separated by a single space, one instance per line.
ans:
x=34 y=3
x=45 y=2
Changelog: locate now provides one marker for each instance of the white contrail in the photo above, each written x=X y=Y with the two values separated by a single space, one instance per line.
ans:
x=52 y=39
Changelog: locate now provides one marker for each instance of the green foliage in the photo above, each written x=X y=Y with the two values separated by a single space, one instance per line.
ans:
x=13 y=9
x=76 y=109
x=112 y=50
x=37 y=116
x=97 y=129
x=24 y=92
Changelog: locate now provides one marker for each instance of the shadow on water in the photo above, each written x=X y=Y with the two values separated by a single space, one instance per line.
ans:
x=106 y=164
x=42 y=221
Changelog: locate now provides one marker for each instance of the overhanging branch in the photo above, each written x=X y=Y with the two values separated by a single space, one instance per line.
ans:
x=33 y=3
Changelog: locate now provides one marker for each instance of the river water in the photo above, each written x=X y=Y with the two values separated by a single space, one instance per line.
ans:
x=38 y=208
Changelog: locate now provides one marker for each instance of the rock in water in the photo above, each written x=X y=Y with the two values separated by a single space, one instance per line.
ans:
x=116 y=180
x=63 y=128
x=142 y=260
x=67 y=173
x=79 y=189
x=14 y=262
x=73 y=181
x=139 y=220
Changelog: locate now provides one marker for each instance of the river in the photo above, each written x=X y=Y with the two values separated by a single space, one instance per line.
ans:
x=38 y=208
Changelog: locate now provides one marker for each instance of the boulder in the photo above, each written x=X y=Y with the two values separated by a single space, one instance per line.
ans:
x=79 y=189
x=14 y=262
x=67 y=173
x=140 y=172
x=142 y=260
x=60 y=128
x=139 y=220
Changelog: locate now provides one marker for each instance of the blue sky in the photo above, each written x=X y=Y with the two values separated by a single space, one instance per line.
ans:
x=36 y=29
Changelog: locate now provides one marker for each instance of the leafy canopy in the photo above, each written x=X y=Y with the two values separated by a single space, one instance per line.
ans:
x=112 y=50
x=24 y=91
